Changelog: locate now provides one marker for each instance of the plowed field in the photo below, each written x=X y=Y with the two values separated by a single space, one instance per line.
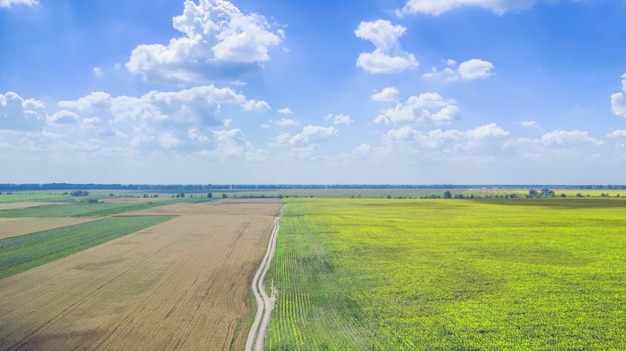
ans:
x=180 y=285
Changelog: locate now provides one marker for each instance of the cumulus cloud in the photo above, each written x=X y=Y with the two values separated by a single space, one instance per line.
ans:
x=529 y=124
x=339 y=119
x=219 y=42
x=408 y=139
x=286 y=122
x=567 y=137
x=388 y=57
x=618 y=102
x=17 y=113
x=198 y=104
x=437 y=7
x=232 y=144
x=9 y=3
x=422 y=109
x=386 y=95
x=362 y=149
x=168 y=140
x=254 y=105
x=617 y=133
x=64 y=117
x=468 y=70
x=310 y=135
x=285 y=110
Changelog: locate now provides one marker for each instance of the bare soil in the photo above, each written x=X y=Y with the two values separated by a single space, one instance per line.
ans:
x=180 y=285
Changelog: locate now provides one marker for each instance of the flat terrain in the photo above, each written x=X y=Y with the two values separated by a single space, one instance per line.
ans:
x=180 y=285
x=15 y=205
x=10 y=227
x=446 y=274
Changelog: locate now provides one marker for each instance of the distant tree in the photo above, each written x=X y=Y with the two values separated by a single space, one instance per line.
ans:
x=182 y=194
x=79 y=193
x=532 y=193
x=389 y=196
x=224 y=195
x=579 y=195
x=545 y=192
x=447 y=195
x=209 y=195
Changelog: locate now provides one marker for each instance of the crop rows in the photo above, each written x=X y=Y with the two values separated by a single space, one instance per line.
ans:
x=18 y=254
x=523 y=274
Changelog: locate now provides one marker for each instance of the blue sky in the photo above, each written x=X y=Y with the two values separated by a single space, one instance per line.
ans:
x=324 y=92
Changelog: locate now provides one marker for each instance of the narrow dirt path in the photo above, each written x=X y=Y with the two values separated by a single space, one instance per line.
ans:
x=265 y=303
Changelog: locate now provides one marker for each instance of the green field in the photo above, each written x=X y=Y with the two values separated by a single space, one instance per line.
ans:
x=501 y=274
x=18 y=254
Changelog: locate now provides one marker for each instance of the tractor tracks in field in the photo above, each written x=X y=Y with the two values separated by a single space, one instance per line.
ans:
x=265 y=303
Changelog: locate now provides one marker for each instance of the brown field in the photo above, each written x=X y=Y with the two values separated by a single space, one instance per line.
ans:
x=20 y=226
x=180 y=285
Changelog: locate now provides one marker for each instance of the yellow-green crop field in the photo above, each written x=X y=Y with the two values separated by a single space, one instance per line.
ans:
x=501 y=274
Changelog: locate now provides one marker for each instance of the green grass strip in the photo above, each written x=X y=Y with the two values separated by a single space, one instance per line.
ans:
x=82 y=210
x=19 y=254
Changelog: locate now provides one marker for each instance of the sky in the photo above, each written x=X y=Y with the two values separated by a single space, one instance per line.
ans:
x=313 y=92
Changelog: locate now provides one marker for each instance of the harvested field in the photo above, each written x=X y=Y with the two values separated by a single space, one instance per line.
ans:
x=180 y=285
x=10 y=227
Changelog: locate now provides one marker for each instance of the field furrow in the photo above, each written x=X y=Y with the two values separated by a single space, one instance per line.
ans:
x=180 y=285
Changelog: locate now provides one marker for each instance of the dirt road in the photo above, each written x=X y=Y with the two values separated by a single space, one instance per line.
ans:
x=180 y=285
x=265 y=303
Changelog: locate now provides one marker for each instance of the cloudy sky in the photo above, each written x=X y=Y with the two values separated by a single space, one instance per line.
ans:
x=280 y=91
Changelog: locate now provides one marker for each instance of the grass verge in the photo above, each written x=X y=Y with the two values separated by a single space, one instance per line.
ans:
x=18 y=254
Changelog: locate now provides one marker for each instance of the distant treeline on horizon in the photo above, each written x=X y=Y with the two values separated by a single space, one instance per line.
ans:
x=248 y=187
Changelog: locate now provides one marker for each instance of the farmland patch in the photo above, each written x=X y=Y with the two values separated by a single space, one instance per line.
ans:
x=450 y=275
x=180 y=285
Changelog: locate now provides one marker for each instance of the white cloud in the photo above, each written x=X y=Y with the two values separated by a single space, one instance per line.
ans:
x=219 y=42
x=387 y=94
x=97 y=71
x=168 y=140
x=565 y=137
x=618 y=102
x=529 y=124
x=310 y=135
x=388 y=56
x=17 y=113
x=90 y=123
x=422 y=109
x=410 y=140
x=339 y=119
x=617 y=133
x=285 y=110
x=254 y=105
x=9 y=3
x=361 y=149
x=64 y=117
x=228 y=144
x=194 y=134
x=286 y=122
x=475 y=69
x=199 y=104
x=468 y=70
x=437 y=7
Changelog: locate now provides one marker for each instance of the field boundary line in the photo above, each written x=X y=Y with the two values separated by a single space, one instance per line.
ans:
x=265 y=303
